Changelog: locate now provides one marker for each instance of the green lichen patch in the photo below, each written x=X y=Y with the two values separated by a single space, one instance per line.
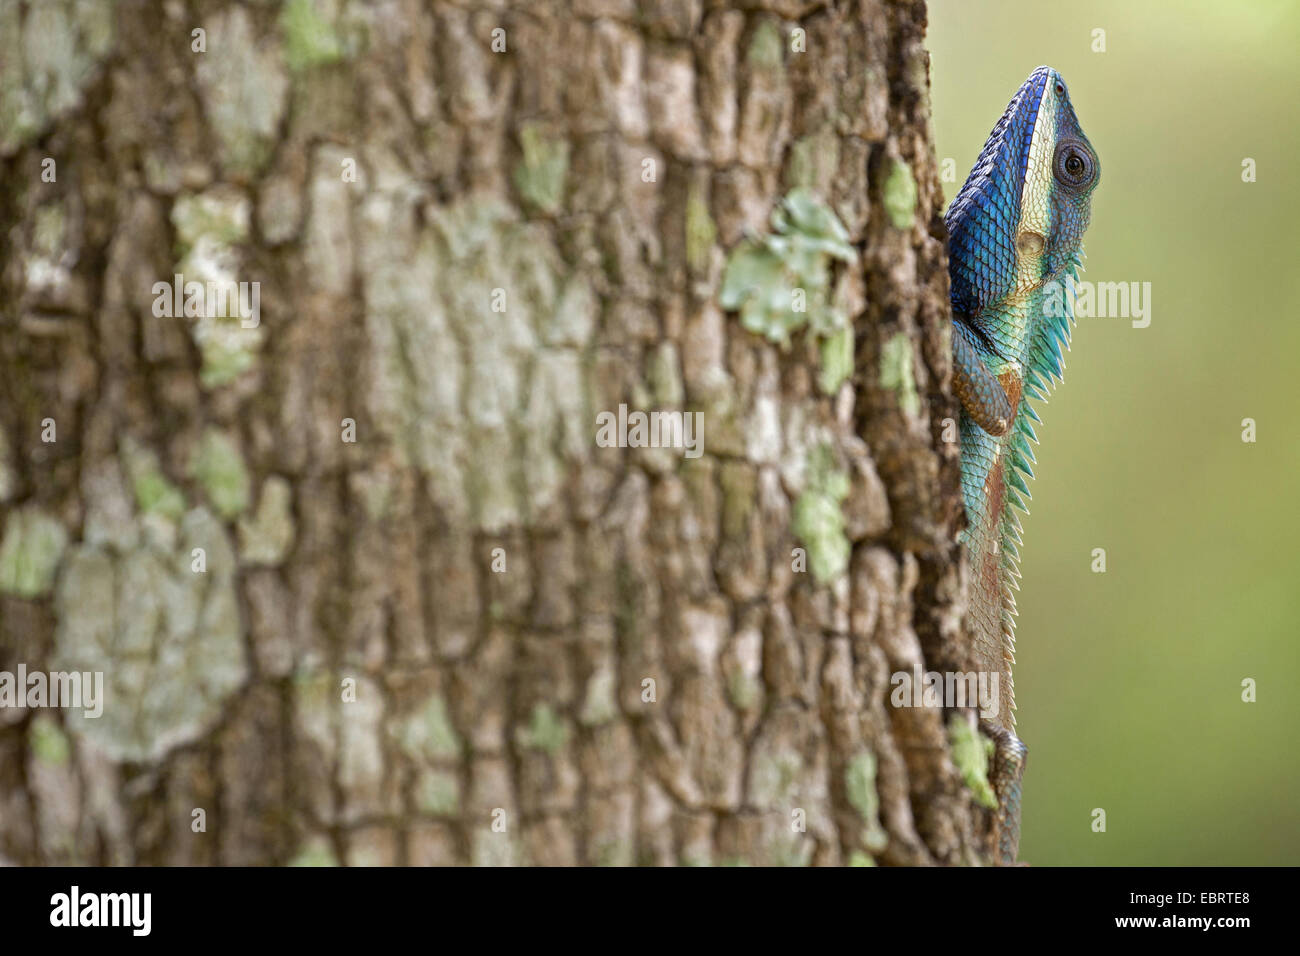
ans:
x=899 y=195
x=781 y=282
x=765 y=47
x=154 y=494
x=896 y=372
x=437 y=792
x=970 y=752
x=48 y=742
x=701 y=232
x=742 y=690
x=837 y=360
x=546 y=730
x=226 y=351
x=309 y=38
x=30 y=552
x=664 y=376
x=541 y=173
x=218 y=467
x=819 y=518
x=219 y=216
x=429 y=733
x=316 y=853
x=860 y=787
x=266 y=536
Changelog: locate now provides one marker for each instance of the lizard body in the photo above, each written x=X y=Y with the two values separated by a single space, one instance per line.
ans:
x=1015 y=232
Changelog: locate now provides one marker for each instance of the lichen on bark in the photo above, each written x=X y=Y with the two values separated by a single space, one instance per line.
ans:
x=436 y=623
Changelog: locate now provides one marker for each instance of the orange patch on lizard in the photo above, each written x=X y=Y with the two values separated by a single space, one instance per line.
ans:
x=1013 y=386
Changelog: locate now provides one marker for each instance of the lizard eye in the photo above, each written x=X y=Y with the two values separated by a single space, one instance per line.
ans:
x=1074 y=165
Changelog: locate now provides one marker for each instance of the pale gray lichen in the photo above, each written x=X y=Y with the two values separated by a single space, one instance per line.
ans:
x=30 y=552
x=361 y=752
x=168 y=639
x=154 y=494
x=599 y=705
x=110 y=509
x=498 y=395
x=328 y=235
x=428 y=733
x=210 y=222
x=49 y=53
x=266 y=536
x=210 y=227
x=774 y=774
x=243 y=86
x=48 y=263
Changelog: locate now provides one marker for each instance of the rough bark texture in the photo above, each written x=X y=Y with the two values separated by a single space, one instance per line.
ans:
x=768 y=588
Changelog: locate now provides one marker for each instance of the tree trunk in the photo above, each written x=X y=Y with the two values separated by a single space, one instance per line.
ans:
x=363 y=584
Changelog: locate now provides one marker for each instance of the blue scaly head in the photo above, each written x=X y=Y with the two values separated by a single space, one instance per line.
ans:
x=1016 y=231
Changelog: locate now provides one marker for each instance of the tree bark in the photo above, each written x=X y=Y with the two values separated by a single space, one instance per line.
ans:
x=433 y=620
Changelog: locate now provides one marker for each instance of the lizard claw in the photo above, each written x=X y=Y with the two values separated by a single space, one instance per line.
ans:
x=1006 y=774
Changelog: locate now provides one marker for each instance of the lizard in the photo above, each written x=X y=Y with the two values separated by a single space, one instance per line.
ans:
x=1015 y=232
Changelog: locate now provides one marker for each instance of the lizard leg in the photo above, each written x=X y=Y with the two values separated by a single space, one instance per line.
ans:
x=981 y=394
x=1007 y=771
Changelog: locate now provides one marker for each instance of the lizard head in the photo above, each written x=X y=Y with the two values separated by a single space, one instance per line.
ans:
x=1020 y=217
x=1061 y=173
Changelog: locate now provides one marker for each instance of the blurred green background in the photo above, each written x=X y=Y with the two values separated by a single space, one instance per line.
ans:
x=1129 y=683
